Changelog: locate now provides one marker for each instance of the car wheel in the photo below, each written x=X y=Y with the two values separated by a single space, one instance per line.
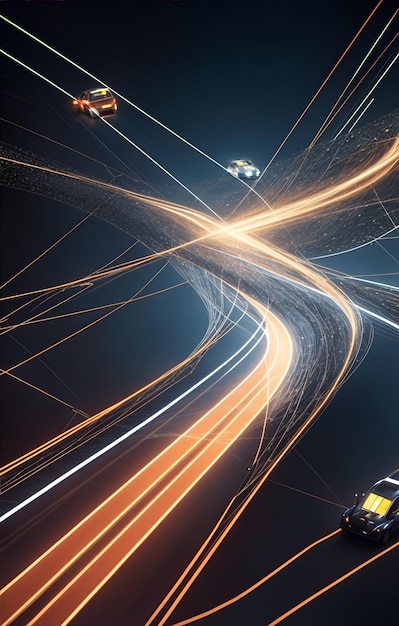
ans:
x=385 y=537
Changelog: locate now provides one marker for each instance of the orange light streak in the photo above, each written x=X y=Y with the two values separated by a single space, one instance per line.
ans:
x=324 y=199
x=238 y=237
x=117 y=405
x=93 y=309
x=333 y=584
x=325 y=81
x=230 y=234
x=229 y=417
x=336 y=109
x=350 y=315
x=49 y=395
x=258 y=583
x=53 y=245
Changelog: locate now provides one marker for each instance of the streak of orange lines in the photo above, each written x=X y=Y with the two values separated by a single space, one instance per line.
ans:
x=90 y=420
x=166 y=480
x=228 y=418
x=230 y=234
x=258 y=583
x=333 y=584
x=202 y=564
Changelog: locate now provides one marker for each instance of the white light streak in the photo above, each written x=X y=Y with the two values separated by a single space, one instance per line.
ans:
x=362 y=245
x=361 y=115
x=367 y=96
x=144 y=423
x=132 y=104
x=36 y=73
x=378 y=317
x=150 y=158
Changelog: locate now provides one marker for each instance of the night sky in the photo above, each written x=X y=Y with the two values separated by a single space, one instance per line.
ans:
x=232 y=79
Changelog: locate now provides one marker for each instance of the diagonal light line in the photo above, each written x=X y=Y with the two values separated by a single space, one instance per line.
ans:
x=367 y=95
x=137 y=147
x=332 y=585
x=132 y=104
x=140 y=426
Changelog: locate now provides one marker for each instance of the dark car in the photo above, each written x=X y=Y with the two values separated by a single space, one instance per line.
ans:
x=96 y=102
x=376 y=514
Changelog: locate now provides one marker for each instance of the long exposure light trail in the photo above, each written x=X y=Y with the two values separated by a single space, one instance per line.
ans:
x=40 y=449
x=74 y=430
x=100 y=569
x=49 y=395
x=230 y=416
x=104 y=121
x=334 y=110
x=331 y=195
x=307 y=276
x=212 y=548
x=87 y=73
x=36 y=259
x=373 y=173
x=320 y=89
x=228 y=230
x=358 y=247
x=298 y=370
x=378 y=317
x=333 y=584
x=337 y=109
x=71 y=335
x=359 y=117
x=258 y=583
x=39 y=319
x=244 y=351
x=374 y=87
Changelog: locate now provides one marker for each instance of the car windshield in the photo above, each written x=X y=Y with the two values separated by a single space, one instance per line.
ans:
x=99 y=94
x=376 y=504
x=241 y=163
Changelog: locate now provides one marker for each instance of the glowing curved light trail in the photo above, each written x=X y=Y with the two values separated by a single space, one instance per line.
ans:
x=226 y=420
x=243 y=352
x=113 y=531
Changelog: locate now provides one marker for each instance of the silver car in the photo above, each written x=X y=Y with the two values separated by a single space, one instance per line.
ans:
x=243 y=169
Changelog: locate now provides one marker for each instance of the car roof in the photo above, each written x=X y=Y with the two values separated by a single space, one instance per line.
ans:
x=387 y=487
x=99 y=89
x=394 y=475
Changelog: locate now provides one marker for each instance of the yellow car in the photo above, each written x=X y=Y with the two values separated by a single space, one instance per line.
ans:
x=96 y=102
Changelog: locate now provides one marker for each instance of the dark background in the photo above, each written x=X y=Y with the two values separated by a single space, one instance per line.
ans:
x=232 y=79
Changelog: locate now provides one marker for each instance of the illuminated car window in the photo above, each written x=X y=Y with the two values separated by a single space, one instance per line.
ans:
x=99 y=95
x=240 y=163
x=376 y=504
